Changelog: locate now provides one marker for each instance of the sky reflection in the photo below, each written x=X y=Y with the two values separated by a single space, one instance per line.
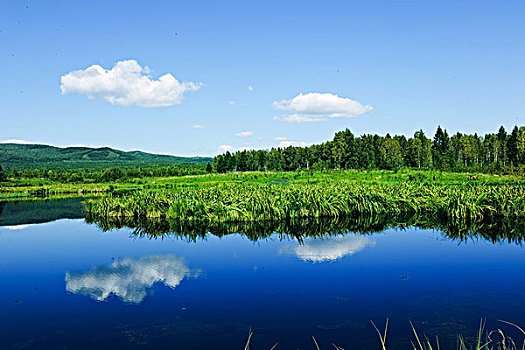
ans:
x=330 y=249
x=129 y=278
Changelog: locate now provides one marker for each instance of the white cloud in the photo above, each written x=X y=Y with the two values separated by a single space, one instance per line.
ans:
x=78 y=145
x=197 y=126
x=231 y=102
x=250 y=88
x=284 y=142
x=129 y=278
x=244 y=134
x=231 y=149
x=24 y=142
x=288 y=143
x=333 y=248
x=314 y=106
x=224 y=148
x=15 y=228
x=126 y=84
x=21 y=142
x=300 y=118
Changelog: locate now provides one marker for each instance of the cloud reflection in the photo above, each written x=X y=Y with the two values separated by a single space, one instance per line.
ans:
x=129 y=278
x=334 y=248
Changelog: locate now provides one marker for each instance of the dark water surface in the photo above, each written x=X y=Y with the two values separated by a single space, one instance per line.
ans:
x=67 y=284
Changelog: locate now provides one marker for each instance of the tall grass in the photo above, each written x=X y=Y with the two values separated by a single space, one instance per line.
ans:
x=238 y=202
x=493 y=340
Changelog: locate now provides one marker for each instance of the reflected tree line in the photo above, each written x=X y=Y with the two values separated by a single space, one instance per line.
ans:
x=40 y=211
x=493 y=230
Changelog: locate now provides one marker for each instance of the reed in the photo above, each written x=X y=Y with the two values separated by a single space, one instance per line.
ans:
x=241 y=202
x=493 y=340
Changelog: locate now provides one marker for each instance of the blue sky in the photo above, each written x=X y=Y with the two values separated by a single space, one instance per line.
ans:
x=415 y=64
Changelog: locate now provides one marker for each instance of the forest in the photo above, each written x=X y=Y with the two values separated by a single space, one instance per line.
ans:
x=491 y=153
x=498 y=153
x=36 y=156
x=90 y=175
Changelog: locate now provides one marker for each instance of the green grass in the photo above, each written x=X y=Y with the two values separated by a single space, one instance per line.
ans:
x=485 y=340
x=35 y=188
x=459 y=198
x=258 y=204
x=26 y=187
x=245 y=201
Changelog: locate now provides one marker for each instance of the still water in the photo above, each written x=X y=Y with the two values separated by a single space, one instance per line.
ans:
x=66 y=284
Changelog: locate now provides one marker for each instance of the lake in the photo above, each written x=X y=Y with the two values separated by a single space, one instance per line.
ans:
x=68 y=284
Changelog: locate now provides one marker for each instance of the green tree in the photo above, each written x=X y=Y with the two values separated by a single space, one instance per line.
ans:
x=343 y=150
x=390 y=153
x=261 y=160
x=112 y=174
x=209 y=168
x=420 y=150
x=491 y=149
x=520 y=145
x=440 y=149
x=512 y=146
x=502 y=138
x=366 y=152
x=3 y=174
x=459 y=152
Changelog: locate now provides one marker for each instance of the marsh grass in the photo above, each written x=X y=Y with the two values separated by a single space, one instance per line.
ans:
x=492 y=340
x=240 y=202
x=37 y=187
x=493 y=228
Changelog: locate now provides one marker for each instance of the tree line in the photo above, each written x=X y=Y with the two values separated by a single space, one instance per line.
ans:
x=87 y=175
x=493 y=152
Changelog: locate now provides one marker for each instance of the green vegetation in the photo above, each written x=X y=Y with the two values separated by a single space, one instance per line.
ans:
x=39 y=183
x=412 y=187
x=484 y=340
x=3 y=175
x=491 y=153
x=240 y=202
x=107 y=175
x=22 y=157
x=466 y=186
x=100 y=181
x=454 y=199
x=39 y=170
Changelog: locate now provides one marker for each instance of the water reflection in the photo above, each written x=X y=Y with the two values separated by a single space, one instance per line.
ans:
x=329 y=284
x=492 y=229
x=334 y=248
x=129 y=278
x=16 y=214
x=13 y=213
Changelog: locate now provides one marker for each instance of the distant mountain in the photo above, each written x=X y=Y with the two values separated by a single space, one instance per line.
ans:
x=22 y=156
